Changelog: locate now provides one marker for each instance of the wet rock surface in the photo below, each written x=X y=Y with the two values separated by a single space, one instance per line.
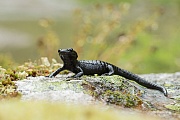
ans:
x=90 y=90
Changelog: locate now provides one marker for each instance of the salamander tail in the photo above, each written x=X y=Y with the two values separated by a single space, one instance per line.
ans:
x=141 y=81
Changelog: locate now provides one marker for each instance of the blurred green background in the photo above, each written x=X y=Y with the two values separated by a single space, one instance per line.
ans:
x=141 y=36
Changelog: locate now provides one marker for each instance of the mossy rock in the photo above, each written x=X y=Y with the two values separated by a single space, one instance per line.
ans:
x=113 y=90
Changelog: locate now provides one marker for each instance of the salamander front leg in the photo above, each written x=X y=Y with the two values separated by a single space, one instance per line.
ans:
x=55 y=72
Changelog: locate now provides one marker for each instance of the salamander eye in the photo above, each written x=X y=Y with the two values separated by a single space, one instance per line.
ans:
x=70 y=49
x=59 y=50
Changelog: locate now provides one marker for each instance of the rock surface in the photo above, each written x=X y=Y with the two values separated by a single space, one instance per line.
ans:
x=53 y=90
x=62 y=89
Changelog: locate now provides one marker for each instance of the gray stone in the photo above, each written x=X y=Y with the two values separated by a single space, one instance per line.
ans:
x=71 y=90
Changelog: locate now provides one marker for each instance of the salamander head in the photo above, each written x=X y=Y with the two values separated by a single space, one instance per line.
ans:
x=68 y=54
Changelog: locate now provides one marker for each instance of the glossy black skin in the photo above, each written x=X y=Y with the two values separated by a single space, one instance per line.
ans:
x=91 y=67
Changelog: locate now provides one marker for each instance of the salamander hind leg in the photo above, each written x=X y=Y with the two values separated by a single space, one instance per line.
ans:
x=79 y=73
x=110 y=71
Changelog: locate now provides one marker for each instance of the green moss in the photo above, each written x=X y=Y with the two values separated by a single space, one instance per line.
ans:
x=113 y=90
x=123 y=99
x=8 y=90
x=177 y=98
x=175 y=107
